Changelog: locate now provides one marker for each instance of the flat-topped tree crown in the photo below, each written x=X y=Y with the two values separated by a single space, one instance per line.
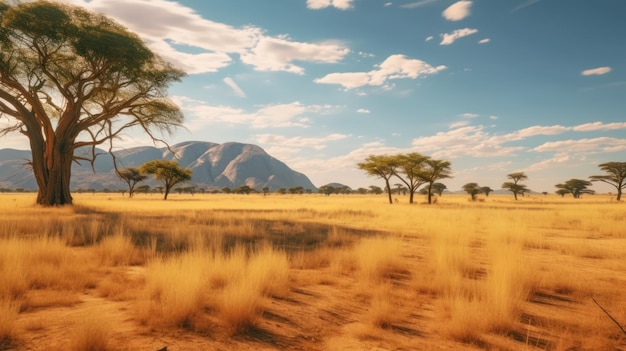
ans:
x=70 y=78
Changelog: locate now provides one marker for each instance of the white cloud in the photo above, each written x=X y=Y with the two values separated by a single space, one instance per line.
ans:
x=596 y=71
x=277 y=54
x=200 y=115
x=417 y=4
x=297 y=143
x=449 y=38
x=469 y=115
x=588 y=127
x=199 y=45
x=236 y=89
x=484 y=41
x=322 y=4
x=458 y=11
x=459 y=124
x=388 y=4
x=592 y=145
x=465 y=140
x=430 y=38
x=493 y=117
x=394 y=67
x=363 y=110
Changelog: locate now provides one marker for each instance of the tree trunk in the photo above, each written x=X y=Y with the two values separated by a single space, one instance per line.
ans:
x=411 y=193
x=52 y=166
x=619 y=194
x=388 y=191
x=515 y=194
x=430 y=193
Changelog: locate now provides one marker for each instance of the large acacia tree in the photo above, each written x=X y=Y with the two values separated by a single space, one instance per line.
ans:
x=382 y=166
x=515 y=186
x=434 y=170
x=616 y=176
x=72 y=79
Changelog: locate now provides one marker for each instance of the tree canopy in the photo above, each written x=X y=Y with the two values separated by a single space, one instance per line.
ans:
x=515 y=186
x=472 y=189
x=131 y=176
x=380 y=166
x=616 y=176
x=73 y=79
x=167 y=171
x=576 y=187
x=412 y=169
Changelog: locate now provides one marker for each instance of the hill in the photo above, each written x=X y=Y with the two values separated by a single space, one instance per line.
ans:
x=213 y=165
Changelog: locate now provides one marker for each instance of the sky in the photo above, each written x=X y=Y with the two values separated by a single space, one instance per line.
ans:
x=493 y=86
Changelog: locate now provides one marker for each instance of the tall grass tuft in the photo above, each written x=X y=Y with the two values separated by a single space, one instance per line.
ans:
x=90 y=334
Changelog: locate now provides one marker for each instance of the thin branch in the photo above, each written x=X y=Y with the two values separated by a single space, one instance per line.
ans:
x=608 y=314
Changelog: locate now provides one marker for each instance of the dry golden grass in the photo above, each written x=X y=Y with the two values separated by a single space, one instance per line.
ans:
x=316 y=272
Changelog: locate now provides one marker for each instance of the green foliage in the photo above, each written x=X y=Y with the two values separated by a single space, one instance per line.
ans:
x=472 y=189
x=616 y=176
x=131 y=176
x=167 y=171
x=412 y=169
x=515 y=186
x=576 y=187
x=71 y=79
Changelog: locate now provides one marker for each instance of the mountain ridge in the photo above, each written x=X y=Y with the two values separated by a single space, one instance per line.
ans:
x=214 y=166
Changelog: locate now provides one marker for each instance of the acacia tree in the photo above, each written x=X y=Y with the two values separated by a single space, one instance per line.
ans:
x=472 y=189
x=409 y=170
x=131 y=176
x=486 y=190
x=616 y=176
x=73 y=79
x=438 y=188
x=380 y=166
x=167 y=171
x=515 y=186
x=432 y=171
x=576 y=187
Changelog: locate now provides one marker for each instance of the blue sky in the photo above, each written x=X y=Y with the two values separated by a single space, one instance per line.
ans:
x=494 y=86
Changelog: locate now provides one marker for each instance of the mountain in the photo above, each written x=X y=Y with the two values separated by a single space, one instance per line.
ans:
x=213 y=165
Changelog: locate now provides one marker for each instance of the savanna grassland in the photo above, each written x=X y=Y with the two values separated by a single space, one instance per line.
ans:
x=309 y=272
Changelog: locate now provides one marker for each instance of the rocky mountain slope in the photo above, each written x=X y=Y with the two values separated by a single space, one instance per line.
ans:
x=213 y=165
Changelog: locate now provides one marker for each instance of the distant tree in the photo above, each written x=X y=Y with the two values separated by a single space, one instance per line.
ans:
x=281 y=191
x=515 y=186
x=486 y=190
x=296 y=190
x=438 y=188
x=380 y=166
x=327 y=190
x=375 y=190
x=562 y=192
x=266 y=191
x=159 y=189
x=616 y=176
x=167 y=171
x=398 y=188
x=576 y=187
x=131 y=176
x=144 y=189
x=409 y=170
x=472 y=189
x=344 y=189
x=179 y=190
x=309 y=191
x=361 y=191
x=72 y=79
x=423 y=190
x=243 y=189
x=432 y=171
x=226 y=190
x=545 y=193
